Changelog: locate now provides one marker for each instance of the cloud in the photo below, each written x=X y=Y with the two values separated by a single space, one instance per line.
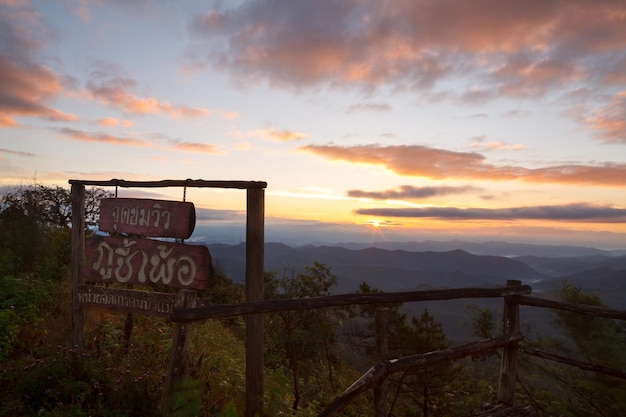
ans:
x=423 y=161
x=25 y=85
x=610 y=120
x=280 y=135
x=173 y=144
x=518 y=48
x=113 y=122
x=479 y=142
x=102 y=138
x=571 y=212
x=196 y=147
x=16 y=153
x=114 y=91
x=410 y=192
x=369 y=107
x=503 y=48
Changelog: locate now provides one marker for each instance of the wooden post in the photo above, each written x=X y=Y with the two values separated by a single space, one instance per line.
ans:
x=508 y=365
x=255 y=241
x=382 y=351
x=175 y=397
x=78 y=248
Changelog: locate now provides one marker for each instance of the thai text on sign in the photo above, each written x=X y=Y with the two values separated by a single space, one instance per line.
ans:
x=152 y=303
x=146 y=261
x=147 y=217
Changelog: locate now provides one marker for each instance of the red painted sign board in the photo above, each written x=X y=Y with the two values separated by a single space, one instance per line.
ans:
x=147 y=217
x=146 y=261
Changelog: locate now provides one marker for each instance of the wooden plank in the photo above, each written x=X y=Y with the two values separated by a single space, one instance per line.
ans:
x=255 y=250
x=174 y=183
x=381 y=389
x=146 y=262
x=134 y=301
x=147 y=217
x=78 y=247
x=590 y=310
x=176 y=391
x=299 y=304
x=383 y=369
x=508 y=363
x=587 y=366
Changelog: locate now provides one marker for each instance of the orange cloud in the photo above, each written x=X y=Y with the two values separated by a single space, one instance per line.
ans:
x=196 y=147
x=108 y=122
x=422 y=161
x=610 y=120
x=502 y=47
x=479 y=142
x=404 y=41
x=102 y=138
x=114 y=92
x=24 y=88
x=280 y=135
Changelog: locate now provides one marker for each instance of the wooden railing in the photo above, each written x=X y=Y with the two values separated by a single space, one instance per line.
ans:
x=514 y=295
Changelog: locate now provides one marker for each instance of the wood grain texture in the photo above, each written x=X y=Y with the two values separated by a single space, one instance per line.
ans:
x=147 y=217
x=146 y=262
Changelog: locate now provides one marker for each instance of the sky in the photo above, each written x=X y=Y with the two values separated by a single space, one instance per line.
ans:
x=398 y=120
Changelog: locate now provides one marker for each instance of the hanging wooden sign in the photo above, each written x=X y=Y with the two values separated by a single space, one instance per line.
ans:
x=147 y=217
x=146 y=261
x=144 y=302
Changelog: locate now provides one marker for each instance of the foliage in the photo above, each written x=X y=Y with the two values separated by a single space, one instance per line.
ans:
x=301 y=340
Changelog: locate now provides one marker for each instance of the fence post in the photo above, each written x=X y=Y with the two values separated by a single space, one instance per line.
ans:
x=382 y=351
x=78 y=247
x=255 y=241
x=508 y=365
x=175 y=396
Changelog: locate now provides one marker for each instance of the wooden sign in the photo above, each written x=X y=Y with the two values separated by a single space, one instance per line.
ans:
x=147 y=261
x=144 y=302
x=146 y=217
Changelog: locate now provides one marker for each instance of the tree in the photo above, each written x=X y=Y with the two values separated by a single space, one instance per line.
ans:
x=300 y=340
x=438 y=390
x=35 y=223
x=600 y=341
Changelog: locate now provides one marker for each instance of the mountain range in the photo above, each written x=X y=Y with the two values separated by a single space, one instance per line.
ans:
x=596 y=271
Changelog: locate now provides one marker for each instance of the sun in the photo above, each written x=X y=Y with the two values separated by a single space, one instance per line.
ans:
x=376 y=224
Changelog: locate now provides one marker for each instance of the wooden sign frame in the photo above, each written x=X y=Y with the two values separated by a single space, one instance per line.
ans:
x=255 y=215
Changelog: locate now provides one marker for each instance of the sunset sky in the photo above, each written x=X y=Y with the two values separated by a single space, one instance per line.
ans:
x=369 y=119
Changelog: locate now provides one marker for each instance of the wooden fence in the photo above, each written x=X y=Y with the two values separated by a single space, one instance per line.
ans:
x=514 y=295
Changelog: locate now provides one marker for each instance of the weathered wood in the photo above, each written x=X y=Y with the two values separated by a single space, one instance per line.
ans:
x=508 y=365
x=78 y=242
x=505 y=410
x=179 y=359
x=382 y=370
x=255 y=249
x=381 y=389
x=144 y=302
x=173 y=183
x=600 y=369
x=146 y=261
x=271 y=306
x=574 y=308
x=147 y=217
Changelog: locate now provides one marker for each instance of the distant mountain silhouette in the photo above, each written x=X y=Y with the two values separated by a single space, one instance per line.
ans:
x=389 y=270
x=496 y=248
x=401 y=270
